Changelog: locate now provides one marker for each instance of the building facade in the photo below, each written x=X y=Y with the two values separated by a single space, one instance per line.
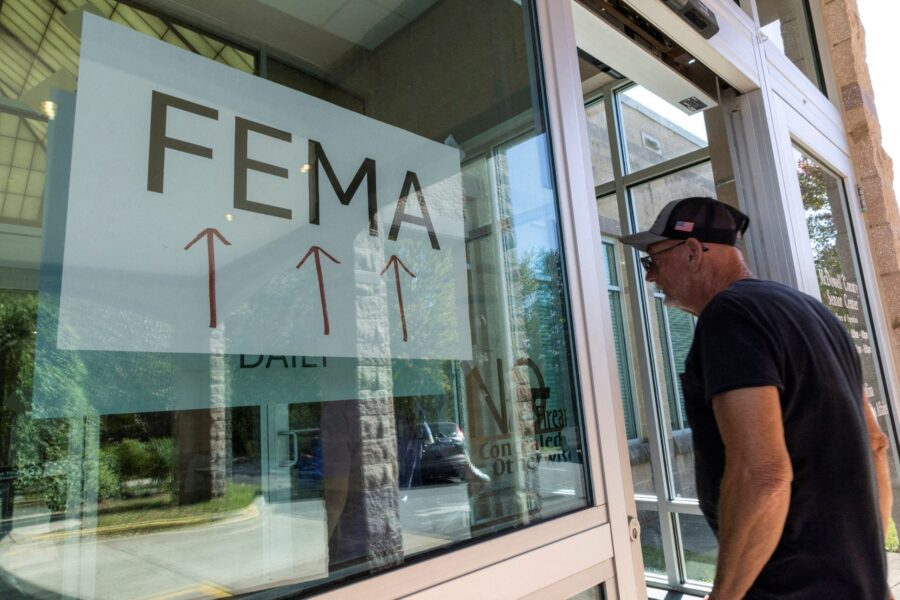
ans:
x=326 y=299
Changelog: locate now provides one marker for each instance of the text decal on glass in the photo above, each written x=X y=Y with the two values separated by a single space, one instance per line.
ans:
x=205 y=204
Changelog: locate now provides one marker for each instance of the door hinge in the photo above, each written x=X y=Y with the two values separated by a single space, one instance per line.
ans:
x=862 y=198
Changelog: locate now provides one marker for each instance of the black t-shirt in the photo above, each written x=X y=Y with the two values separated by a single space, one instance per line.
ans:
x=760 y=333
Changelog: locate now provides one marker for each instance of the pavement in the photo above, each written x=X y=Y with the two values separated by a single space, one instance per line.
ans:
x=265 y=545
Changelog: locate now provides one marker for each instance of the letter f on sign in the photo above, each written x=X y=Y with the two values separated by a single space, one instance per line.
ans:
x=156 y=161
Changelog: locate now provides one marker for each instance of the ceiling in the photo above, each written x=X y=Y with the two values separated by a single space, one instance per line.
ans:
x=364 y=22
x=39 y=48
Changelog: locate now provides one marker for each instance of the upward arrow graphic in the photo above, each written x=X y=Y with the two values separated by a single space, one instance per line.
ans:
x=315 y=251
x=210 y=232
x=397 y=264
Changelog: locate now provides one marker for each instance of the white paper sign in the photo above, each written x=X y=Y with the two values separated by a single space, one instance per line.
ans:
x=202 y=197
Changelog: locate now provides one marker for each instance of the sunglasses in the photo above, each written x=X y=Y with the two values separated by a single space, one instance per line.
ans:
x=650 y=264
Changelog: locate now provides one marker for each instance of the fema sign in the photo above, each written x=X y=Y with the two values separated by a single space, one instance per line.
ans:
x=208 y=203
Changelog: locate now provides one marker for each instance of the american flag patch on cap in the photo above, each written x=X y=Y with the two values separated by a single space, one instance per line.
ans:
x=684 y=226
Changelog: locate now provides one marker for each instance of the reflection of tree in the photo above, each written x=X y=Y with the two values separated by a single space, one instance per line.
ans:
x=17 y=323
x=814 y=187
x=546 y=323
x=835 y=258
x=26 y=444
x=541 y=288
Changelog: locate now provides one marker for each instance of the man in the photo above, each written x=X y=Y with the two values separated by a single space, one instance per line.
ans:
x=791 y=466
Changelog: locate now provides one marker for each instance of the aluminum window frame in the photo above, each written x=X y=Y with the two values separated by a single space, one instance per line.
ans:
x=650 y=377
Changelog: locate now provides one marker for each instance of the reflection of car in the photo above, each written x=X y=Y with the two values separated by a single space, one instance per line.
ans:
x=446 y=460
x=447 y=430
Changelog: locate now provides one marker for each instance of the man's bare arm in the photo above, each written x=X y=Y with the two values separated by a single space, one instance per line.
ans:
x=880 y=446
x=756 y=486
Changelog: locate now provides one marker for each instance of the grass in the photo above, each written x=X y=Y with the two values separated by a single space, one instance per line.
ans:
x=161 y=507
x=700 y=567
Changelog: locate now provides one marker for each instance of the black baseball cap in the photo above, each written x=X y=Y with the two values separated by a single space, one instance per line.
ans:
x=704 y=219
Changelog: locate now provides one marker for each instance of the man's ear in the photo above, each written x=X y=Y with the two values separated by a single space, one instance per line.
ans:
x=695 y=254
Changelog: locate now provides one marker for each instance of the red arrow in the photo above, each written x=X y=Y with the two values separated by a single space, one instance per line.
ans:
x=393 y=260
x=315 y=250
x=209 y=232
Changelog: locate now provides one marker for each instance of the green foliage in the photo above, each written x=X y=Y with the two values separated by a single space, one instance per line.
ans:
x=109 y=480
x=133 y=458
x=817 y=187
x=139 y=460
x=18 y=314
x=53 y=489
x=161 y=467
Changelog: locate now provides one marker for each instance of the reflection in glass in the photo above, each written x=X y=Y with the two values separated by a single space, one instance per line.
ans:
x=700 y=548
x=598 y=137
x=619 y=288
x=656 y=131
x=649 y=198
x=788 y=25
x=595 y=593
x=23 y=158
x=221 y=473
x=651 y=542
x=635 y=426
x=840 y=284
x=672 y=329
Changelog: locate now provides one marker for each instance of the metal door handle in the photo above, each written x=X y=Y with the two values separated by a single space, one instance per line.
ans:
x=294 y=456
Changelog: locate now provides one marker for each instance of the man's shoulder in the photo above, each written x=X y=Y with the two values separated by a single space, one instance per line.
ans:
x=760 y=292
x=761 y=303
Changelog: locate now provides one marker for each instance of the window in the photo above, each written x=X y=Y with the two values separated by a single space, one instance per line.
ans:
x=601 y=157
x=252 y=363
x=665 y=156
x=41 y=53
x=841 y=286
x=788 y=25
x=616 y=304
x=655 y=131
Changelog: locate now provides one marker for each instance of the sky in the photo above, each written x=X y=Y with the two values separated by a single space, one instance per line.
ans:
x=880 y=19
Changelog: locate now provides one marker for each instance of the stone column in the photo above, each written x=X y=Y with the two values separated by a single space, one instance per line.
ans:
x=359 y=437
x=201 y=435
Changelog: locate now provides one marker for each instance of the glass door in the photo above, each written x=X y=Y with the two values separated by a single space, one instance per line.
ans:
x=843 y=290
x=645 y=152
x=317 y=327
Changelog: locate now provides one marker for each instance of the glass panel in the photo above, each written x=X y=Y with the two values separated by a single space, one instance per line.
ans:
x=672 y=329
x=788 y=25
x=700 y=548
x=619 y=289
x=594 y=593
x=608 y=209
x=656 y=131
x=649 y=198
x=23 y=156
x=40 y=53
x=184 y=419
x=598 y=137
x=651 y=542
x=616 y=304
x=840 y=285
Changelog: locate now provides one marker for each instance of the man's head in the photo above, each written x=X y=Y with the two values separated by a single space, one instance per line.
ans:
x=691 y=252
